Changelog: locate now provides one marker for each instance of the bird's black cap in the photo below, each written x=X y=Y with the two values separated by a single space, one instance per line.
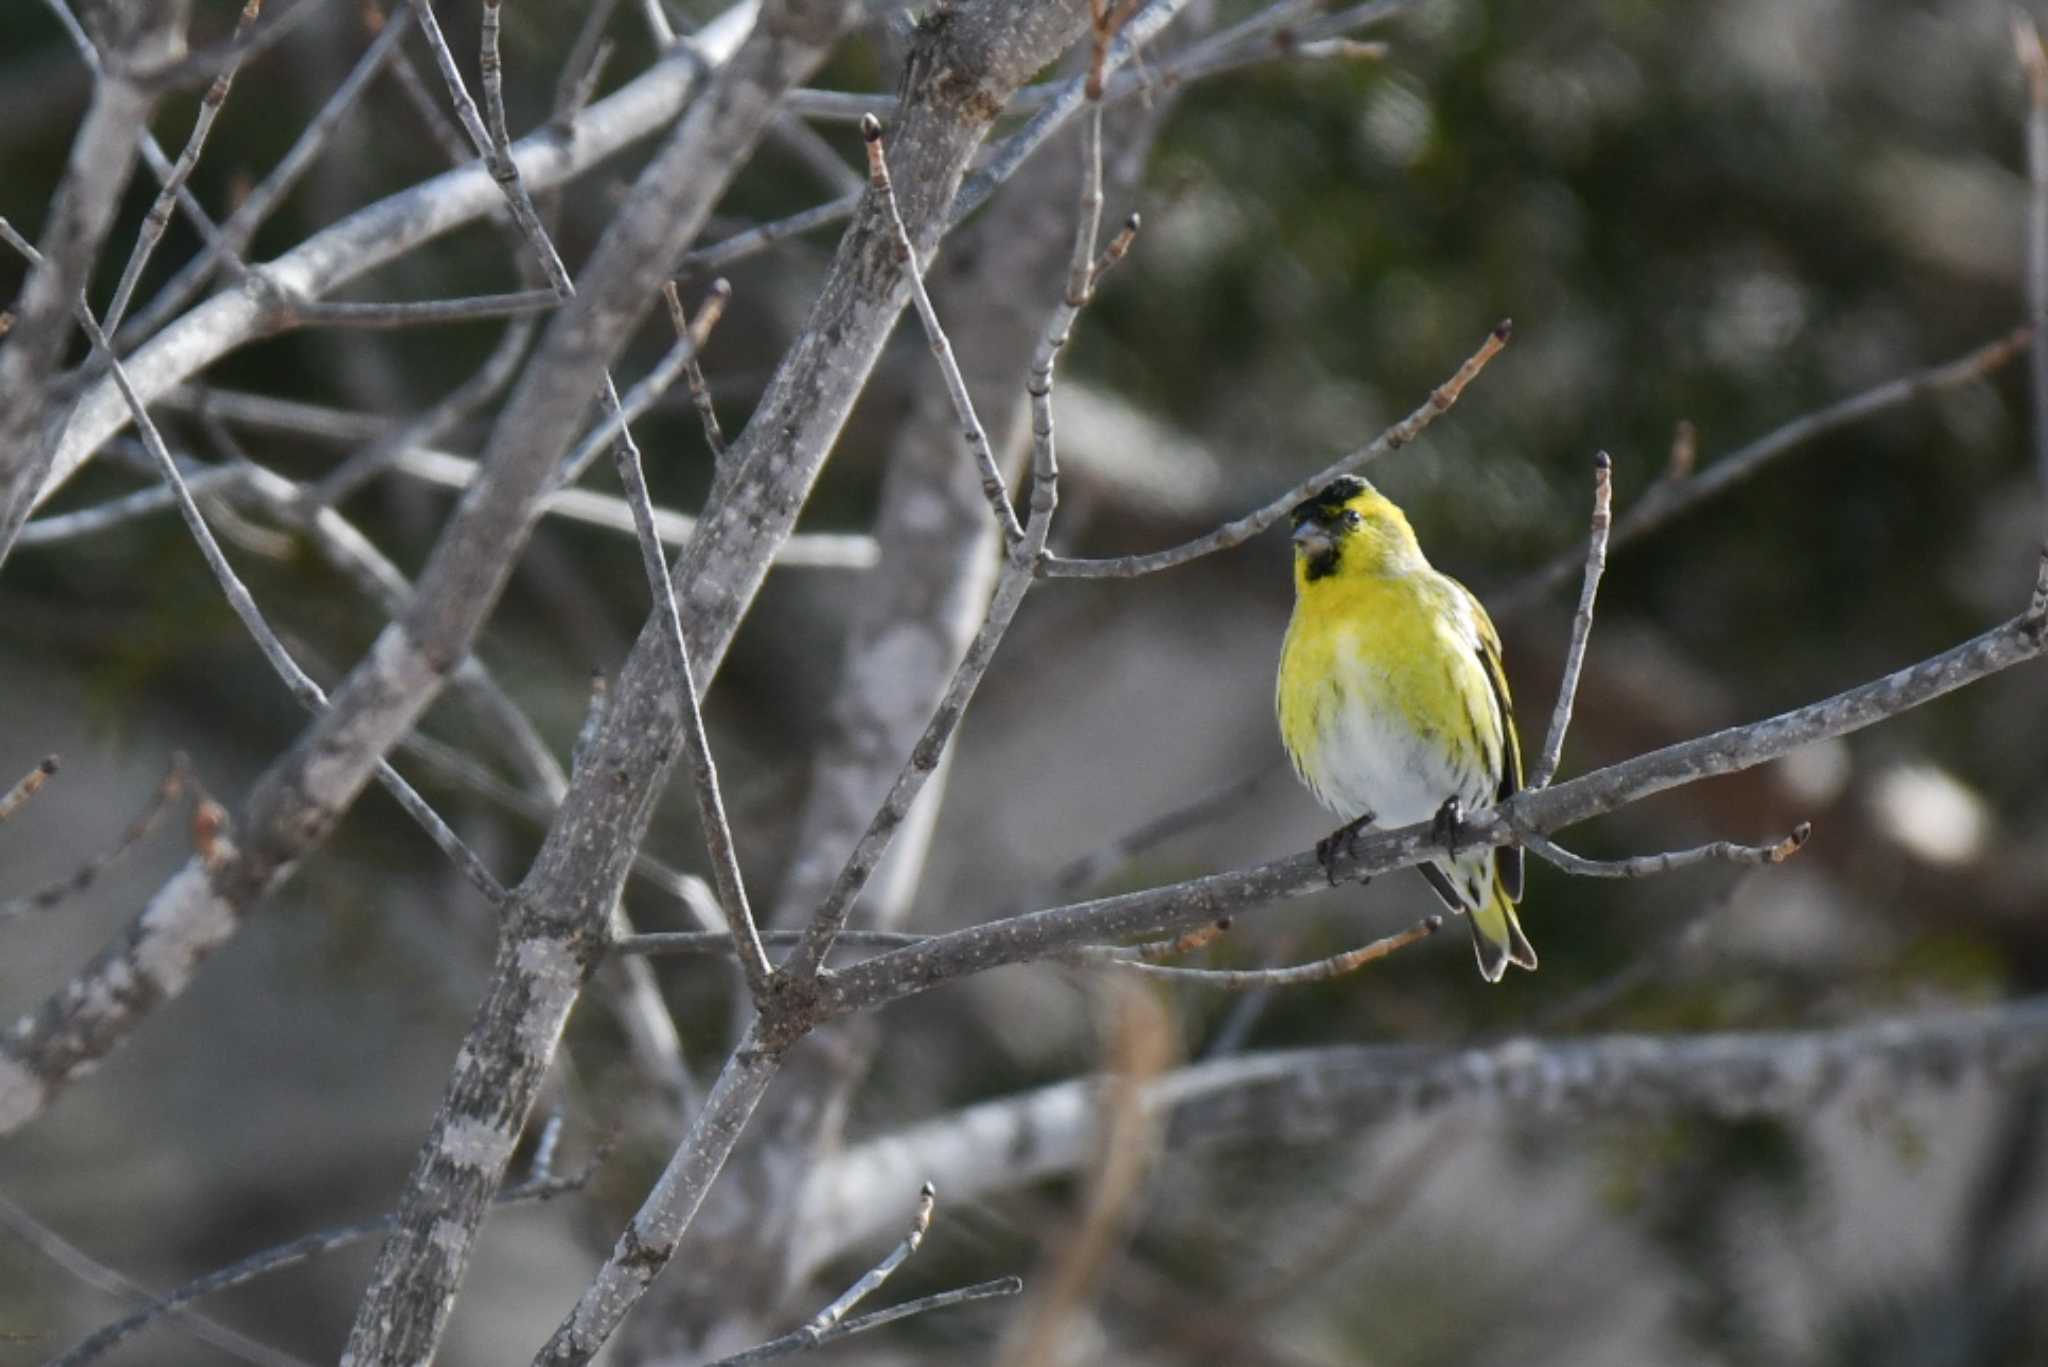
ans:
x=1329 y=498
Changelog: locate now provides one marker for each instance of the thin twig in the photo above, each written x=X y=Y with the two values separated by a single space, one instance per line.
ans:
x=1256 y=979
x=992 y=487
x=806 y=550
x=585 y=63
x=454 y=145
x=1646 y=967
x=159 y=216
x=1272 y=34
x=167 y=791
x=1260 y=39
x=31 y=783
x=1159 y=951
x=1049 y=933
x=871 y=1280
x=390 y=449
x=234 y=235
x=1131 y=35
x=209 y=62
x=1057 y=106
x=1582 y=622
x=693 y=369
x=357 y=558
x=1011 y=587
x=300 y=1250
x=1015 y=580
x=1107 y=20
x=719 y=942
x=725 y=865
x=98 y=1275
x=490 y=145
x=1667 y=499
x=1650 y=865
x=419 y=313
x=2034 y=63
x=1084 y=871
x=301 y=686
x=718 y=255
x=802 y=1341
x=1245 y=528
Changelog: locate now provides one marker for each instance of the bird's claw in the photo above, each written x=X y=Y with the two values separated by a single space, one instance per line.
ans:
x=1449 y=824
x=1340 y=841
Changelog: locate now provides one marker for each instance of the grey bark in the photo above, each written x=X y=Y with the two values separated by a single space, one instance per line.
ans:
x=910 y=625
x=548 y=945
x=1308 y=1096
x=102 y=158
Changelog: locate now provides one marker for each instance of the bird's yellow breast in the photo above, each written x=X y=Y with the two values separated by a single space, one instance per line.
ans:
x=1381 y=694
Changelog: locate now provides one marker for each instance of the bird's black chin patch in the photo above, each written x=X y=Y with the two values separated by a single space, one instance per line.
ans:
x=1320 y=564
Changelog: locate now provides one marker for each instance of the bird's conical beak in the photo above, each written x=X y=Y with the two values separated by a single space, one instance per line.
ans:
x=1311 y=540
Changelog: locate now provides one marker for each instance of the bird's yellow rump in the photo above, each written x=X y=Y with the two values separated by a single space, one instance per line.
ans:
x=1393 y=702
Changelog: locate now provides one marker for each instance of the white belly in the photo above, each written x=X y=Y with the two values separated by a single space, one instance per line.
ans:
x=1371 y=760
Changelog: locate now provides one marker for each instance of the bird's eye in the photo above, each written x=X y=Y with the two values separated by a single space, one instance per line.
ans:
x=1351 y=517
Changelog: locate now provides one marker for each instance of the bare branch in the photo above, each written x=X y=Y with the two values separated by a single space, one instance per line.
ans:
x=308 y=693
x=1582 y=623
x=1055 y=106
x=972 y=62
x=540 y=1187
x=421 y=312
x=1245 y=528
x=31 y=783
x=1258 y=979
x=550 y=934
x=725 y=864
x=412 y=436
x=871 y=1280
x=97 y=1274
x=1275 y=33
x=380 y=233
x=1650 y=865
x=2034 y=63
x=80 y=214
x=1309 y=1094
x=159 y=216
x=234 y=236
x=802 y=1341
x=649 y=1240
x=992 y=486
x=167 y=792
x=490 y=142
x=805 y=550
x=1671 y=499
x=1086 y=870
x=693 y=369
x=207 y=64
x=905 y=972
x=1011 y=586
x=718 y=942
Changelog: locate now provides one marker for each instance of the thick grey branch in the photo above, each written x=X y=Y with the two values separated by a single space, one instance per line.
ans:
x=1313 y=1095
x=81 y=212
x=381 y=232
x=900 y=973
x=549 y=942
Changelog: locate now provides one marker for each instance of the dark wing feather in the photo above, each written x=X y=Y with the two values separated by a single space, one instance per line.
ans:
x=1508 y=859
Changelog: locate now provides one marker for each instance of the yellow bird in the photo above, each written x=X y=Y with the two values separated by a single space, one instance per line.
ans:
x=1393 y=703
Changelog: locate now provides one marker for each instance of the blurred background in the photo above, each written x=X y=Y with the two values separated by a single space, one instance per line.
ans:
x=1726 y=214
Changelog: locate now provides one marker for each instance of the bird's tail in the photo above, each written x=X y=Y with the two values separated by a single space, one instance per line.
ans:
x=1473 y=884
